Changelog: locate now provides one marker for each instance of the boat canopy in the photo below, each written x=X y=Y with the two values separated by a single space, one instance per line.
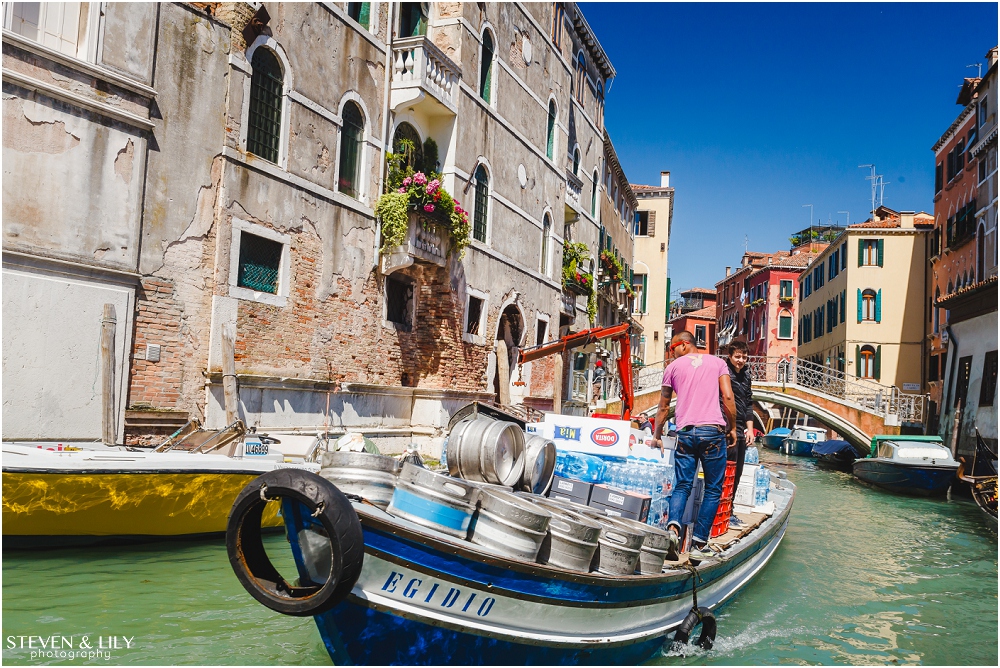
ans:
x=831 y=447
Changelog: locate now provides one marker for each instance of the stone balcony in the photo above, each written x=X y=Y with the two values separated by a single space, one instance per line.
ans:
x=574 y=191
x=423 y=75
x=426 y=241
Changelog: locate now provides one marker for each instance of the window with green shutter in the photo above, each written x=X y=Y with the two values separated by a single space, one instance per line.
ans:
x=877 y=373
x=881 y=252
x=260 y=261
x=482 y=204
x=550 y=134
x=860 y=306
x=784 y=326
x=360 y=12
x=878 y=306
x=351 y=141
x=843 y=306
x=843 y=256
x=266 y=93
x=486 y=67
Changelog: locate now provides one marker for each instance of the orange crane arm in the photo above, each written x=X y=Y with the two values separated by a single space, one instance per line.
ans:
x=620 y=333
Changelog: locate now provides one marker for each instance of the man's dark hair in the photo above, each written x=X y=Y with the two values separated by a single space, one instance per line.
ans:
x=683 y=335
x=738 y=346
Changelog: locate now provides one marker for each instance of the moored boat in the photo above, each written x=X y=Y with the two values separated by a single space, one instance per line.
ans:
x=101 y=494
x=982 y=479
x=917 y=465
x=423 y=596
x=774 y=438
x=836 y=454
x=801 y=441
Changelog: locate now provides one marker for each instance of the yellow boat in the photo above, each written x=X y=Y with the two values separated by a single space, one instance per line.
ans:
x=105 y=494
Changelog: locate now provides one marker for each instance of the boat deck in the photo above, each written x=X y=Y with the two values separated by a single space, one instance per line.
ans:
x=751 y=521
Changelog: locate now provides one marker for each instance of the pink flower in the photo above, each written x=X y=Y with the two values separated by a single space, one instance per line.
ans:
x=432 y=186
x=401 y=190
x=407 y=181
x=429 y=208
x=419 y=178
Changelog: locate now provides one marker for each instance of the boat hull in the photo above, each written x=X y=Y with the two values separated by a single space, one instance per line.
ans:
x=917 y=480
x=424 y=599
x=773 y=441
x=58 y=508
x=793 y=446
x=837 y=460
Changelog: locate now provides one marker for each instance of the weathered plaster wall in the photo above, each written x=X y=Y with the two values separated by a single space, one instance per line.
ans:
x=130 y=33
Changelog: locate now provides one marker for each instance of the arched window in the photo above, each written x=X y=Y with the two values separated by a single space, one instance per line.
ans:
x=550 y=135
x=581 y=76
x=576 y=161
x=867 y=362
x=352 y=136
x=486 y=67
x=407 y=133
x=482 y=204
x=593 y=196
x=546 y=233
x=868 y=298
x=600 y=102
x=266 y=96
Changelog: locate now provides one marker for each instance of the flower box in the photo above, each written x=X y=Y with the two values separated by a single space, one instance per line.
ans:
x=426 y=241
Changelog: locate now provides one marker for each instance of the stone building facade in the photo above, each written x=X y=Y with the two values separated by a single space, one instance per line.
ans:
x=242 y=148
x=653 y=223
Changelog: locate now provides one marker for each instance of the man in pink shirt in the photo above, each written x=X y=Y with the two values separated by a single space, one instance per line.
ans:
x=703 y=434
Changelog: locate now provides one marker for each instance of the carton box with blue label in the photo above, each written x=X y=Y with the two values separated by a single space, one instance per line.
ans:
x=594 y=436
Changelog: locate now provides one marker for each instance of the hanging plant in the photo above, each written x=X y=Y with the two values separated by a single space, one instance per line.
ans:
x=415 y=191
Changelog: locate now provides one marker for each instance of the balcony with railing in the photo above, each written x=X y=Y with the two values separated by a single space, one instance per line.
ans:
x=422 y=73
x=426 y=241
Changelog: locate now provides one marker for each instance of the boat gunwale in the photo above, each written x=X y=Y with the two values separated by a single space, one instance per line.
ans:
x=469 y=552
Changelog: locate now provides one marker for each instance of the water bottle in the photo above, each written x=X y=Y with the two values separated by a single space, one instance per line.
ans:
x=752 y=455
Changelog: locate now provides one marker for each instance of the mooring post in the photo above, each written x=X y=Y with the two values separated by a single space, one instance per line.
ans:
x=229 y=372
x=109 y=423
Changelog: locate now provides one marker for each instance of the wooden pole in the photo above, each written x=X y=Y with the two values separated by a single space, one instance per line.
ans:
x=557 y=384
x=229 y=372
x=109 y=421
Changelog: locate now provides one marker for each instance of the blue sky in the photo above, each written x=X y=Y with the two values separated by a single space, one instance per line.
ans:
x=757 y=109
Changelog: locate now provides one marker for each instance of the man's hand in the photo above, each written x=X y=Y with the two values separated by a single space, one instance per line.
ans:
x=748 y=436
x=658 y=443
x=731 y=437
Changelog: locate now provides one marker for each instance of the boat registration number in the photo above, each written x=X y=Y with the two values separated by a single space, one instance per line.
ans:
x=255 y=449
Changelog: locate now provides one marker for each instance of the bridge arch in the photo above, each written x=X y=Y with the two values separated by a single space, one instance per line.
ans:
x=851 y=433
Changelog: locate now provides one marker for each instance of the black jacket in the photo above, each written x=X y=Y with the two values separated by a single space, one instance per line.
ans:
x=742 y=393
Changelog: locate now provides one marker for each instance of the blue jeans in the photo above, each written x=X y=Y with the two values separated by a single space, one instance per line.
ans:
x=707 y=444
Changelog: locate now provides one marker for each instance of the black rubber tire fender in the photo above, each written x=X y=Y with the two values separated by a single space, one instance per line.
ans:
x=251 y=564
x=703 y=616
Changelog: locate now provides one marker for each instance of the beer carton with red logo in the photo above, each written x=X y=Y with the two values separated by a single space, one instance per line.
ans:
x=594 y=436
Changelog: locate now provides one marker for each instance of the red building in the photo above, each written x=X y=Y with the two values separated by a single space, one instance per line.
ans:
x=695 y=313
x=757 y=303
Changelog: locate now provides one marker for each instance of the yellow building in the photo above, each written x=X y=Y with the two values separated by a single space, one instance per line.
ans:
x=654 y=216
x=863 y=301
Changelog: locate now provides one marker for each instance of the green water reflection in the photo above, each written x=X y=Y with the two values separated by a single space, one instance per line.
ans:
x=862 y=577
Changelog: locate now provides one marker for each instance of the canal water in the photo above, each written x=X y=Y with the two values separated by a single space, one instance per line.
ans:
x=862 y=577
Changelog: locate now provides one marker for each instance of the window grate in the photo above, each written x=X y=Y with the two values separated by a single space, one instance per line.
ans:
x=266 y=86
x=260 y=260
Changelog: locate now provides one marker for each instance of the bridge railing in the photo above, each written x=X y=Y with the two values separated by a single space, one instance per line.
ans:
x=872 y=397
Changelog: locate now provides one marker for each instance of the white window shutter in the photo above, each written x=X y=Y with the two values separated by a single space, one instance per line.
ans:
x=651 y=224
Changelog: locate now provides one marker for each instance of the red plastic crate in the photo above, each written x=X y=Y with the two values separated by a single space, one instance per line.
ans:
x=720 y=526
x=721 y=523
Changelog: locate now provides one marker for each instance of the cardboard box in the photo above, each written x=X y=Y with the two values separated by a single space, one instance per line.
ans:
x=619 y=512
x=594 y=436
x=744 y=493
x=640 y=446
x=637 y=505
x=565 y=489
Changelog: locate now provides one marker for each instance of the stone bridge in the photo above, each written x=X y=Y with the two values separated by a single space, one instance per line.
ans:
x=855 y=408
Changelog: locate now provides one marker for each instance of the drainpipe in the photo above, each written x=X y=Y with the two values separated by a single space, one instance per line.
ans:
x=953 y=365
x=390 y=20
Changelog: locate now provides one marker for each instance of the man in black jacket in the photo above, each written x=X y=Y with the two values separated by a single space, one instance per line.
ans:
x=742 y=393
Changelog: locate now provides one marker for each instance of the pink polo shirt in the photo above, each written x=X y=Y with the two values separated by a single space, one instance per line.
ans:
x=694 y=379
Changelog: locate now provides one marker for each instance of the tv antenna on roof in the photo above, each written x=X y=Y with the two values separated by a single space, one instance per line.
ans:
x=979 y=69
x=878 y=187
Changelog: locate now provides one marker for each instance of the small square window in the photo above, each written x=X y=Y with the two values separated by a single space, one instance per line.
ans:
x=784 y=326
x=699 y=336
x=641 y=223
x=475 y=315
x=260 y=261
x=399 y=303
x=541 y=328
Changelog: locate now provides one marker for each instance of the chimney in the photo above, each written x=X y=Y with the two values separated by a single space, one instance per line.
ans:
x=991 y=58
x=906 y=219
x=729 y=270
x=664 y=179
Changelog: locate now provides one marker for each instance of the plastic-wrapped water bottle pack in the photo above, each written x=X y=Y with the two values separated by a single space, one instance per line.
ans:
x=761 y=486
x=752 y=456
x=580 y=466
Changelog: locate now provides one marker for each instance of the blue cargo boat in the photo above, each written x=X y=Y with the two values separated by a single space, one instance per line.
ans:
x=421 y=596
x=836 y=454
x=917 y=465
x=801 y=441
x=774 y=438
